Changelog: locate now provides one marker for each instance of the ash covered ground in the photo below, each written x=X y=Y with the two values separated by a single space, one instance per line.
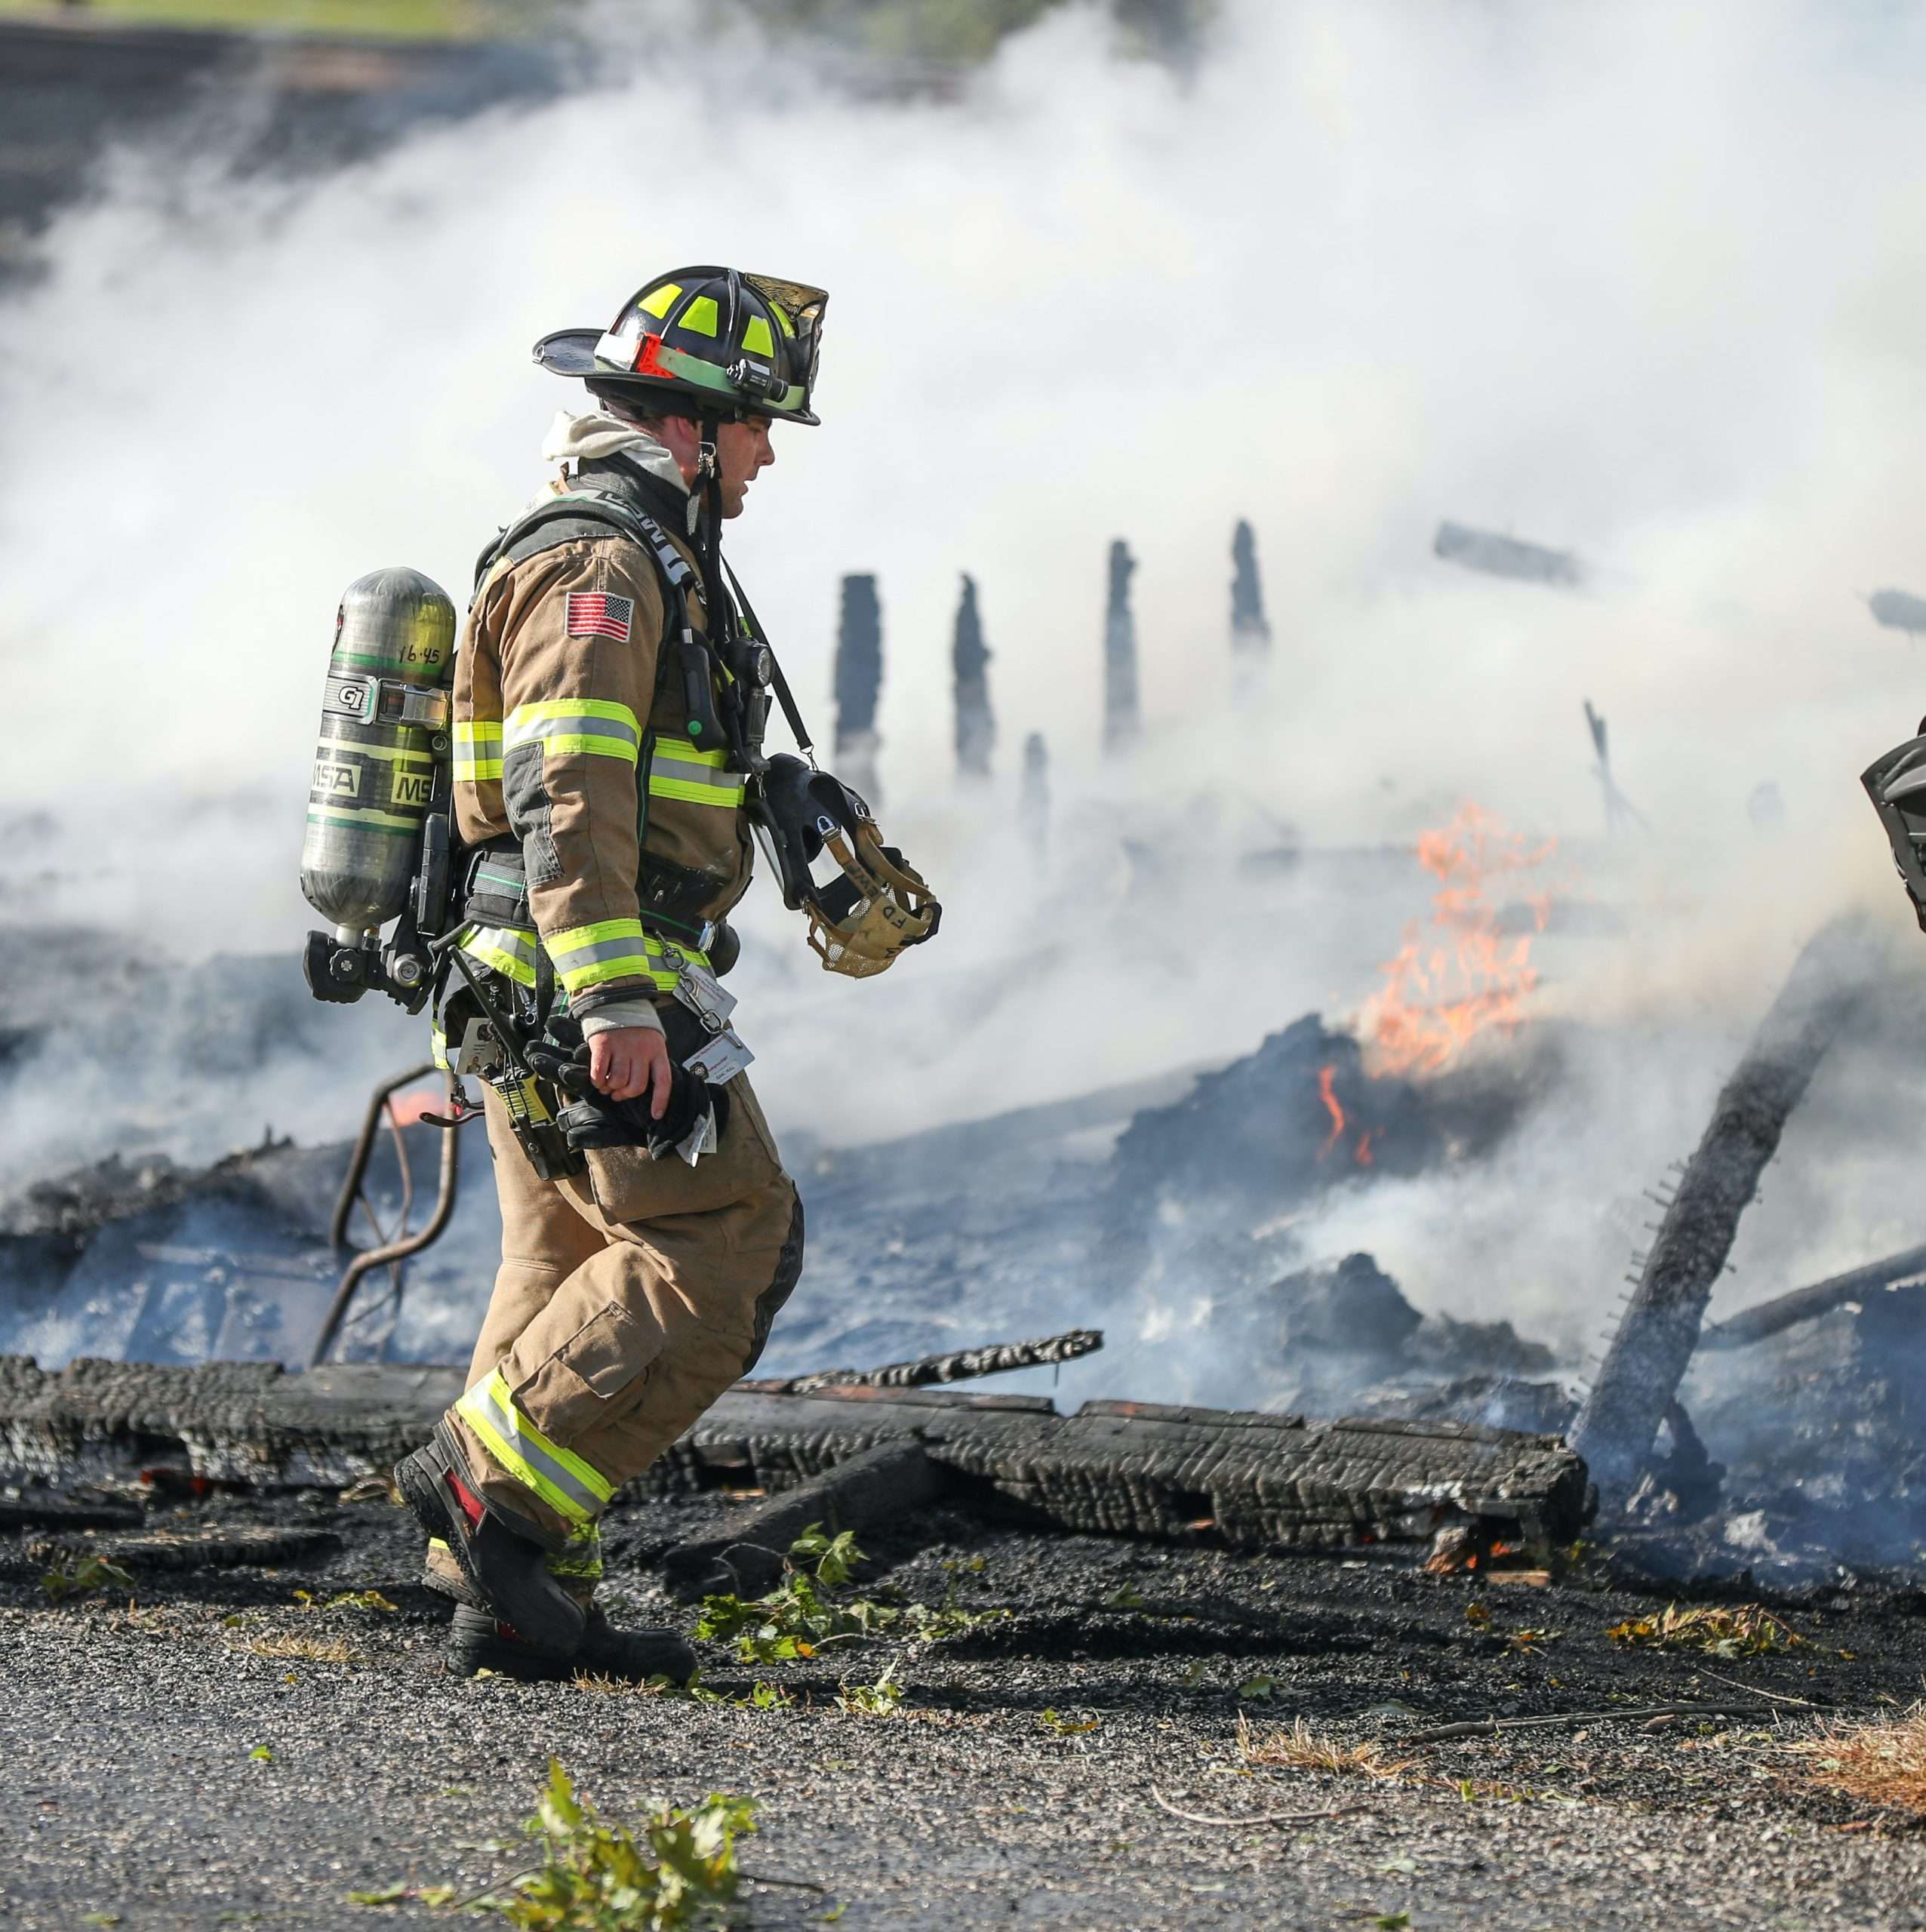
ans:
x=1016 y=1780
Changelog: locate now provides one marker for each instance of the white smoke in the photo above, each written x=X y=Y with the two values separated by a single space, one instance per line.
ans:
x=1635 y=282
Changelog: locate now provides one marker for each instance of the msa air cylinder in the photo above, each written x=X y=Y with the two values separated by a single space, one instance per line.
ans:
x=384 y=729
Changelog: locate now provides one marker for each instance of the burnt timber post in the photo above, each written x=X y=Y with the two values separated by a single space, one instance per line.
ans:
x=1122 y=719
x=976 y=723
x=859 y=677
x=1033 y=805
x=1639 y=1377
x=1249 y=628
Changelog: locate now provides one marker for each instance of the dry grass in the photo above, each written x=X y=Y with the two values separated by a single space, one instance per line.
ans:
x=1881 y=1762
x=1746 y=1632
x=1303 y=1749
x=312 y=1650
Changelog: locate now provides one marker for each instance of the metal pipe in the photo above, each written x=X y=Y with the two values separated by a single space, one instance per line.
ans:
x=398 y=1250
x=364 y=1150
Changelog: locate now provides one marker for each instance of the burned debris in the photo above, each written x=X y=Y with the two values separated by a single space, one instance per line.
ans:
x=1659 y=1328
x=1506 y=556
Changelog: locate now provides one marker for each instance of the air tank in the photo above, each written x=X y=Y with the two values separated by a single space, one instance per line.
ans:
x=384 y=725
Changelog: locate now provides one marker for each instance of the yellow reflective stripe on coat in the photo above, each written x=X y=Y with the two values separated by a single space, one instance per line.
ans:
x=592 y=726
x=510 y=953
x=586 y=956
x=477 y=748
x=677 y=769
x=559 y=1477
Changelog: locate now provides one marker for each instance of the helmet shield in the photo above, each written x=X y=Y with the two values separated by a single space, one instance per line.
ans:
x=724 y=343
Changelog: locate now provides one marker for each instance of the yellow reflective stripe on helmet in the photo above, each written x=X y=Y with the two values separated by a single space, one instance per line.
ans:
x=477 y=748
x=510 y=953
x=592 y=726
x=757 y=340
x=656 y=304
x=560 y=1477
x=700 y=317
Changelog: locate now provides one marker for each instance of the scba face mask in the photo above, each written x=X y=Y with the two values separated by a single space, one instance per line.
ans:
x=865 y=903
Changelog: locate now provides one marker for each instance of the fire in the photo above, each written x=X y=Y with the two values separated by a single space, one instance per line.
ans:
x=405 y=1109
x=1333 y=1106
x=1327 y=1093
x=1459 y=976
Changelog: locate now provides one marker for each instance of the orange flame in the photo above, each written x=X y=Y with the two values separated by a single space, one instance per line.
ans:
x=1461 y=977
x=1327 y=1093
x=405 y=1109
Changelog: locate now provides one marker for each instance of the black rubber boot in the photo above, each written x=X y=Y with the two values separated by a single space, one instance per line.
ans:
x=508 y=1571
x=478 y=1641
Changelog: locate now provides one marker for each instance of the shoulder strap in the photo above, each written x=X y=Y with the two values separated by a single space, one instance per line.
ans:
x=583 y=515
x=784 y=696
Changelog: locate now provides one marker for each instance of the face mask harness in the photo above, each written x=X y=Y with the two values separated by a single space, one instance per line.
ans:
x=864 y=901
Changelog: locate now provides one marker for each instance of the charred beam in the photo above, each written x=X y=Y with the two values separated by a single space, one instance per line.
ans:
x=964 y=1365
x=878 y=1485
x=1506 y=556
x=1255 y=1481
x=1807 y=1304
x=1641 y=1371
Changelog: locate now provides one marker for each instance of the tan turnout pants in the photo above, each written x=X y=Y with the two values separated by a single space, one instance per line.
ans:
x=628 y=1299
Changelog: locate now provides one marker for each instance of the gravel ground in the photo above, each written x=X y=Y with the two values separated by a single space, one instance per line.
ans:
x=134 y=1788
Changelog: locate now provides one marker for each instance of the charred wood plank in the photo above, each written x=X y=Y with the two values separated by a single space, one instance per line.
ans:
x=892 y=1478
x=1255 y=1481
x=961 y=1365
x=1807 y=1304
x=1640 y=1375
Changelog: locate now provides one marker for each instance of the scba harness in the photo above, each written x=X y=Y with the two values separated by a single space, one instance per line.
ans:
x=867 y=907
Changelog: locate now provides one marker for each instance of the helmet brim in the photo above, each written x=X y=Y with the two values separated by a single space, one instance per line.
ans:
x=572 y=352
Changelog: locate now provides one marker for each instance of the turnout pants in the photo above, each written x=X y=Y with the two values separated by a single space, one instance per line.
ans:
x=629 y=1298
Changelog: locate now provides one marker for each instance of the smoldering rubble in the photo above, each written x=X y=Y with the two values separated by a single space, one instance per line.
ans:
x=1791 y=1452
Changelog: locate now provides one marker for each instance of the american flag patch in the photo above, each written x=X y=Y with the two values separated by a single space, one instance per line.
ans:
x=596 y=613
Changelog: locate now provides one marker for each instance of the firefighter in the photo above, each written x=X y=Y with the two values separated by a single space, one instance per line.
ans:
x=609 y=695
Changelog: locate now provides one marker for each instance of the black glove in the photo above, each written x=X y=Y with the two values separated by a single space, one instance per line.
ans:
x=592 y=1119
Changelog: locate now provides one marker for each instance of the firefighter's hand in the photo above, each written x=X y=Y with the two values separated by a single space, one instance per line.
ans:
x=625 y=1062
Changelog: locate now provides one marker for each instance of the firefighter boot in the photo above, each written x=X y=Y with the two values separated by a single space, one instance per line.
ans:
x=478 y=1640
x=506 y=1569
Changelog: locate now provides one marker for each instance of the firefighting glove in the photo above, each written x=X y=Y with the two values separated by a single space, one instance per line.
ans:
x=593 y=1119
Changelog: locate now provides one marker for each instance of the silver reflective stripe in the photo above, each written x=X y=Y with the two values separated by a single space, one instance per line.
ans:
x=573 y=959
x=525 y=730
x=555 y=1479
x=730 y=784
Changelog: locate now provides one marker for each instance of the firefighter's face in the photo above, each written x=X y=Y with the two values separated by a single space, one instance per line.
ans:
x=742 y=449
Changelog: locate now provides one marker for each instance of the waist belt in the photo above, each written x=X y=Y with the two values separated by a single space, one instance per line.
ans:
x=495 y=893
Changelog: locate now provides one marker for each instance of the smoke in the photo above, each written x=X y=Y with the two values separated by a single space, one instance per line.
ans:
x=1635 y=282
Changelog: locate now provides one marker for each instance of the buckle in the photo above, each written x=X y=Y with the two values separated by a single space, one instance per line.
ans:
x=703 y=994
x=387 y=701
